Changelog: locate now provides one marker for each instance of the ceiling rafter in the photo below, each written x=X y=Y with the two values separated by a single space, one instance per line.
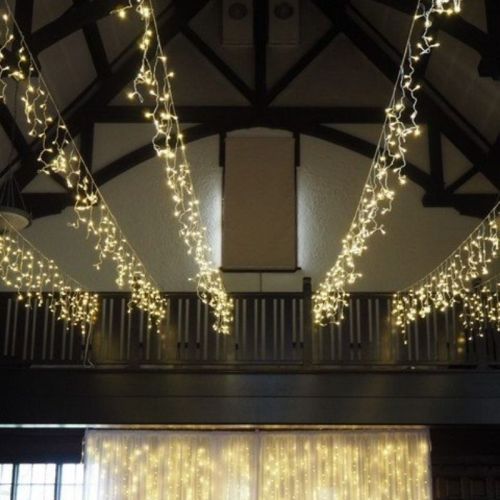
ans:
x=24 y=16
x=106 y=88
x=219 y=64
x=364 y=148
x=456 y=26
x=490 y=164
x=91 y=107
x=13 y=132
x=73 y=19
x=318 y=47
x=95 y=45
x=146 y=152
x=226 y=115
x=343 y=139
x=260 y=40
x=435 y=157
x=87 y=145
x=45 y=204
x=462 y=135
x=490 y=63
x=473 y=205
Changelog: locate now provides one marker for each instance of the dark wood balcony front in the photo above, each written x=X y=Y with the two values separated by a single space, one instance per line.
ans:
x=270 y=330
x=275 y=367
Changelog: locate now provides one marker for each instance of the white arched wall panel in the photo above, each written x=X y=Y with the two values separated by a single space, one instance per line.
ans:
x=330 y=180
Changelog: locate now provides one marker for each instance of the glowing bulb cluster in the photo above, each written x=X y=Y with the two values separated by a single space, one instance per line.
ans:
x=59 y=155
x=454 y=279
x=31 y=273
x=377 y=465
x=152 y=84
x=400 y=123
x=481 y=309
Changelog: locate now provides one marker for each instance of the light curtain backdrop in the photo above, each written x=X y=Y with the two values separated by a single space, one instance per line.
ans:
x=330 y=465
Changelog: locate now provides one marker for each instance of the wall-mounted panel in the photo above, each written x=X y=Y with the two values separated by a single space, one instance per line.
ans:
x=260 y=205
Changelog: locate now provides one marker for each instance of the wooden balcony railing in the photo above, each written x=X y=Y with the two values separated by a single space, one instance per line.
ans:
x=271 y=329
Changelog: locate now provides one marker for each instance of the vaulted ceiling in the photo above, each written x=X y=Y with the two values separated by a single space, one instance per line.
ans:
x=330 y=88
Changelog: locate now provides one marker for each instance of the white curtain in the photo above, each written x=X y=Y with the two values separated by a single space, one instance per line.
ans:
x=338 y=465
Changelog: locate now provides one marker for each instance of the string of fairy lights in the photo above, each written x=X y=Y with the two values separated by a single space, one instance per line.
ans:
x=400 y=124
x=458 y=279
x=30 y=272
x=481 y=309
x=59 y=155
x=153 y=85
x=27 y=270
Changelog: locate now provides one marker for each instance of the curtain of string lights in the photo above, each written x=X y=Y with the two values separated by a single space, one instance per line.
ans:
x=59 y=155
x=458 y=279
x=377 y=196
x=152 y=85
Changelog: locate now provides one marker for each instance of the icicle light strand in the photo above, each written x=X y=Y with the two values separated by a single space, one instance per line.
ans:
x=481 y=309
x=400 y=123
x=455 y=279
x=36 y=278
x=152 y=84
x=60 y=155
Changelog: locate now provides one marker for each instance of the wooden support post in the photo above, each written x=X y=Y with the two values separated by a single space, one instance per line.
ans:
x=308 y=322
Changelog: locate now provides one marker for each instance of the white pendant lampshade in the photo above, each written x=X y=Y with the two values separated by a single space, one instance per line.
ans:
x=12 y=208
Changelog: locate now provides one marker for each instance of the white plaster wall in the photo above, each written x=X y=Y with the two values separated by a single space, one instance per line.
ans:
x=330 y=180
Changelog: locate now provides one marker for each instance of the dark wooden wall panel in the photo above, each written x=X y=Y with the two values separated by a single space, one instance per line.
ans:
x=91 y=396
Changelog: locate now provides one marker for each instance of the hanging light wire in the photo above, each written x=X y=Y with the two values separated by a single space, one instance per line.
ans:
x=481 y=309
x=377 y=196
x=60 y=155
x=454 y=278
x=152 y=83
x=37 y=279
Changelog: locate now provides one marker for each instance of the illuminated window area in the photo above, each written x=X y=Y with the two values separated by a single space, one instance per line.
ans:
x=71 y=486
x=5 y=481
x=35 y=481
x=41 y=481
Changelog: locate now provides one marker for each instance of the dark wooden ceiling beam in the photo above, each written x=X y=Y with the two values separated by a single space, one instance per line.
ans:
x=490 y=62
x=80 y=115
x=87 y=146
x=95 y=44
x=145 y=153
x=224 y=116
x=462 y=134
x=456 y=26
x=318 y=47
x=462 y=179
x=74 y=18
x=364 y=148
x=474 y=204
x=24 y=17
x=97 y=50
x=45 y=204
x=13 y=132
x=105 y=89
x=329 y=134
x=260 y=40
x=219 y=64
x=489 y=167
x=435 y=157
